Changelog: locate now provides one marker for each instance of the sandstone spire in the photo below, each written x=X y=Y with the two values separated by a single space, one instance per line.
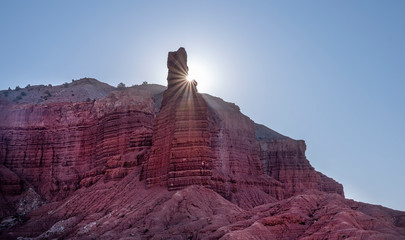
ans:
x=178 y=70
x=181 y=153
x=177 y=65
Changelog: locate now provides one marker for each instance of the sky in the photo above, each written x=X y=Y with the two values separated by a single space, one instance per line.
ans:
x=329 y=72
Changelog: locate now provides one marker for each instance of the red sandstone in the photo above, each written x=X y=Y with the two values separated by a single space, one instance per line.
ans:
x=153 y=163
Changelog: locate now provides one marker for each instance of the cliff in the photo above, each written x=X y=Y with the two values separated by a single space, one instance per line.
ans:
x=149 y=162
x=199 y=139
x=62 y=146
x=181 y=154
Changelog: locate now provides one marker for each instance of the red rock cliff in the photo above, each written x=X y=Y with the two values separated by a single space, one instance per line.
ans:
x=199 y=139
x=146 y=164
x=181 y=153
x=284 y=159
x=60 y=147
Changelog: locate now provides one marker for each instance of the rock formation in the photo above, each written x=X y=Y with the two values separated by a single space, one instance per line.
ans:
x=149 y=162
x=60 y=147
x=202 y=140
x=126 y=210
x=181 y=154
x=284 y=159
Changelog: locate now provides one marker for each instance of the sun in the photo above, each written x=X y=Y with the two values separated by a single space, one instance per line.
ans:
x=189 y=78
x=195 y=73
x=201 y=72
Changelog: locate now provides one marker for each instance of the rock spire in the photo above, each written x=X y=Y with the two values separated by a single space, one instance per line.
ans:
x=181 y=153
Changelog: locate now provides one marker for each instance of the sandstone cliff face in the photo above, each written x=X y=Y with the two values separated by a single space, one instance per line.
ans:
x=199 y=139
x=238 y=174
x=148 y=162
x=284 y=159
x=10 y=183
x=61 y=147
x=181 y=153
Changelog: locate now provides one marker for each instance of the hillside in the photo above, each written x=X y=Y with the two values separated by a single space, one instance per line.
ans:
x=150 y=162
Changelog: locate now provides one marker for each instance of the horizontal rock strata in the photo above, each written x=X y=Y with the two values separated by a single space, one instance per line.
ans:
x=147 y=162
x=181 y=154
x=61 y=147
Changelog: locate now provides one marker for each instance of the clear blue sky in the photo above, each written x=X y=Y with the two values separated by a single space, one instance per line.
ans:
x=329 y=72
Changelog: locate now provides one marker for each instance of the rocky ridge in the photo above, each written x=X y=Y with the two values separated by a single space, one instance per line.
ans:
x=148 y=162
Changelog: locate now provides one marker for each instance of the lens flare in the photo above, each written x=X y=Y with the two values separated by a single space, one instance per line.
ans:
x=189 y=78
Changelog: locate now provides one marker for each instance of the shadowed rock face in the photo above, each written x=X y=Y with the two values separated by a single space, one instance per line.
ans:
x=59 y=147
x=203 y=140
x=181 y=153
x=285 y=161
x=178 y=69
x=197 y=139
x=148 y=162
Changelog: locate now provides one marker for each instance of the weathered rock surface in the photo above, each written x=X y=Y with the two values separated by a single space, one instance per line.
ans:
x=127 y=210
x=60 y=147
x=237 y=171
x=284 y=159
x=148 y=162
x=317 y=215
x=181 y=153
x=10 y=183
x=199 y=139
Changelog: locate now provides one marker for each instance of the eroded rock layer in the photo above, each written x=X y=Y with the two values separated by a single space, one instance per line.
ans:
x=284 y=160
x=181 y=153
x=61 y=147
x=148 y=162
x=237 y=171
x=103 y=211
x=199 y=139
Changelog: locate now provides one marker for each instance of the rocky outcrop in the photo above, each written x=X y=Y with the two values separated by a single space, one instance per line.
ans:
x=181 y=153
x=317 y=215
x=10 y=183
x=103 y=211
x=284 y=159
x=148 y=162
x=200 y=139
x=61 y=147
x=81 y=90
x=197 y=139
x=237 y=171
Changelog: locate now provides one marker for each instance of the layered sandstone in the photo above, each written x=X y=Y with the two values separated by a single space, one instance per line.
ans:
x=10 y=183
x=238 y=174
x=148 y=162
x=181 y=153
x=199 y=139
x=60 y=147
x=284 y=159
x=126 y=210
